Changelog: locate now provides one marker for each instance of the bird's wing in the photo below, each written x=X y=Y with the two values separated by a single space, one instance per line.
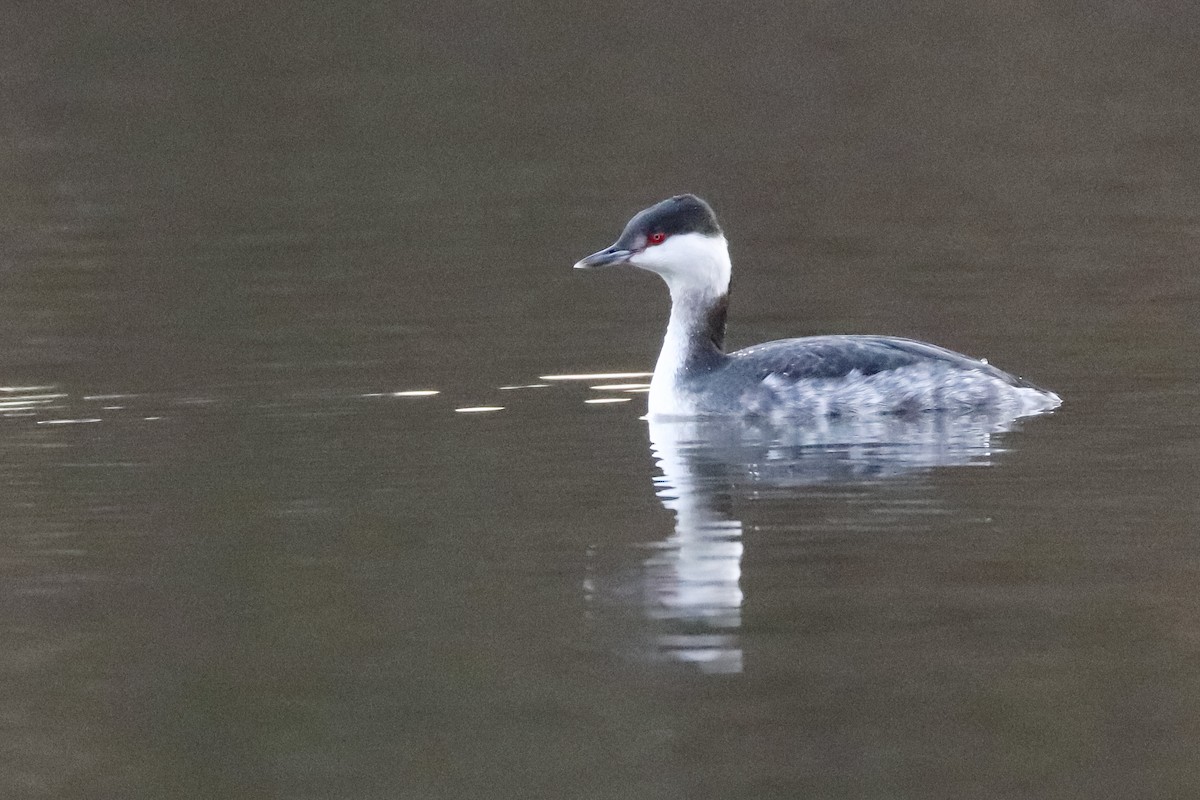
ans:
x=817 y=357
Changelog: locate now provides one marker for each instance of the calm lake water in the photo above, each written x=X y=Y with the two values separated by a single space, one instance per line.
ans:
x=235 y=563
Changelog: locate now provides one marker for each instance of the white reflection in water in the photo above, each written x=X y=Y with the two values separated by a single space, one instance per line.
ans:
x=404 y=393
x=692 y=584
x=17 y=401
x=694 y=578
x=595 y=376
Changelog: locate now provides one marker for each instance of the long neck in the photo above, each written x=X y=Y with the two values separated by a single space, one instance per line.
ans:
x=695 y=333
x=695 y=340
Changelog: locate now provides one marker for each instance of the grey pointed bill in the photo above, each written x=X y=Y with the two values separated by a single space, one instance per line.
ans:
x=607 y=257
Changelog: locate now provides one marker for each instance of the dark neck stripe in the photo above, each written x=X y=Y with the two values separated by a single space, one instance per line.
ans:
x=706 y=341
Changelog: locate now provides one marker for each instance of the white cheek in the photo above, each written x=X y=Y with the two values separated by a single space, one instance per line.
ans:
x=650 y=258
x=676 y=254
x=689 y=262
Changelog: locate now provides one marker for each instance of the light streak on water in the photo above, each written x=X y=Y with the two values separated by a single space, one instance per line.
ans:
x=619 y=387
x=595 y=376
x=405 y=393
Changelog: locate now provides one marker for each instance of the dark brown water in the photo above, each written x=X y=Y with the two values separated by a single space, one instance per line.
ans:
x=233 y=564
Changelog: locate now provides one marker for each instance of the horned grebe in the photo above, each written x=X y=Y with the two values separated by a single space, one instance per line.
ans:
x=680 y=240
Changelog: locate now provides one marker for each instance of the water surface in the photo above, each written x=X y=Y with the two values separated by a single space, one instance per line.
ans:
x=237 y=563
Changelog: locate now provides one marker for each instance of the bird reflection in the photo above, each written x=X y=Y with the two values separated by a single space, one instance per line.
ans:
x=691 y=585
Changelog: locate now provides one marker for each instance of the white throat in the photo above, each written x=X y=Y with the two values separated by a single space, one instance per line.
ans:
x=696 y=268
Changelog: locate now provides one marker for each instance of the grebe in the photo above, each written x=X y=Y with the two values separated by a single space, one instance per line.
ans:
x=680 y=240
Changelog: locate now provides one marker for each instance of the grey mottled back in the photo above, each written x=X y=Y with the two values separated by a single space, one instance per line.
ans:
x=833 y=375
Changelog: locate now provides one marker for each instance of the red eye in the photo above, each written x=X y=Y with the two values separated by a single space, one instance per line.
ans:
x=656 y=238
